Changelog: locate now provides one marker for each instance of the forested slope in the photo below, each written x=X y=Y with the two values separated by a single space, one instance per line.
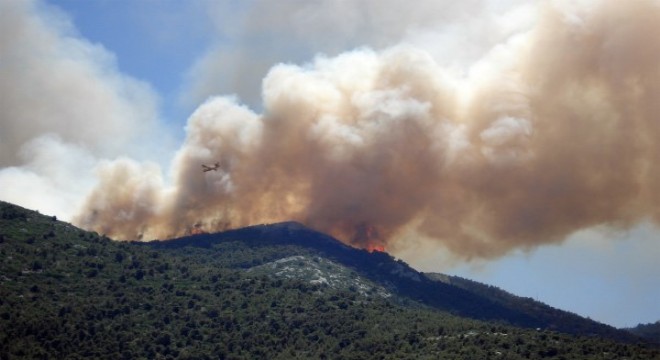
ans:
x=67 y=293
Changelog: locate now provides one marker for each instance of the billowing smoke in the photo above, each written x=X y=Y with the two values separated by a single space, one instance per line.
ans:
x=553 y=131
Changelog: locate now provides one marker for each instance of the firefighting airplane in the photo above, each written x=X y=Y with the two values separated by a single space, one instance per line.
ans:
x=206 y=168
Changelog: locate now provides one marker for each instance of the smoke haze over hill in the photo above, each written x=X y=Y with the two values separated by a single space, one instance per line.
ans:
x=552 y=131
x=547 y=126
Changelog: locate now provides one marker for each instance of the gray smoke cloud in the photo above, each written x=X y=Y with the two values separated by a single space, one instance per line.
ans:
x=551 y=131
x=292 y=31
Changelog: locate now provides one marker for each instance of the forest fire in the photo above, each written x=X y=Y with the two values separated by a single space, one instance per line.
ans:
x=375 y=248
x=197 y=230
x=368 y=236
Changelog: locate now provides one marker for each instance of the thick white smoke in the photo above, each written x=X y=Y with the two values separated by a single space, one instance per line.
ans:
x=455 y=33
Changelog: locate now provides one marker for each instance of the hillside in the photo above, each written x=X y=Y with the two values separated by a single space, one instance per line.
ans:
x=67 y=293
x=650 y=331
x=553 y=318
x=457 y=296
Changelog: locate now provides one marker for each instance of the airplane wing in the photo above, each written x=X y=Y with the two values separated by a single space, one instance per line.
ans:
x=206 y=168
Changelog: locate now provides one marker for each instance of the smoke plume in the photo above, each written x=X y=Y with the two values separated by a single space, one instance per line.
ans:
x=553 y=131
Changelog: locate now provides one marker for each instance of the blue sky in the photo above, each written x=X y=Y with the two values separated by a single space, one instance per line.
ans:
x=154 y=41
x=179 y=53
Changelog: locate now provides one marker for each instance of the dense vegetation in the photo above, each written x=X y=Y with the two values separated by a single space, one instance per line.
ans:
x=557 y=319
x=460 y=297
x=649 y=331
x=67 y=293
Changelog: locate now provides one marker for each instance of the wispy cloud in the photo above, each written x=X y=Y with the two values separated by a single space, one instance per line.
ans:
x=62 y=95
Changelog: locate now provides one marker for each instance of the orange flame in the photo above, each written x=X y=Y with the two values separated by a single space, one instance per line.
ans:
x=197 y=230
x=369 y=237
x=374 y=247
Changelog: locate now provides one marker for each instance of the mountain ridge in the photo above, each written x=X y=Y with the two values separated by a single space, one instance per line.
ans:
x=650 y=331
x=455 y=297
x=70 y=293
